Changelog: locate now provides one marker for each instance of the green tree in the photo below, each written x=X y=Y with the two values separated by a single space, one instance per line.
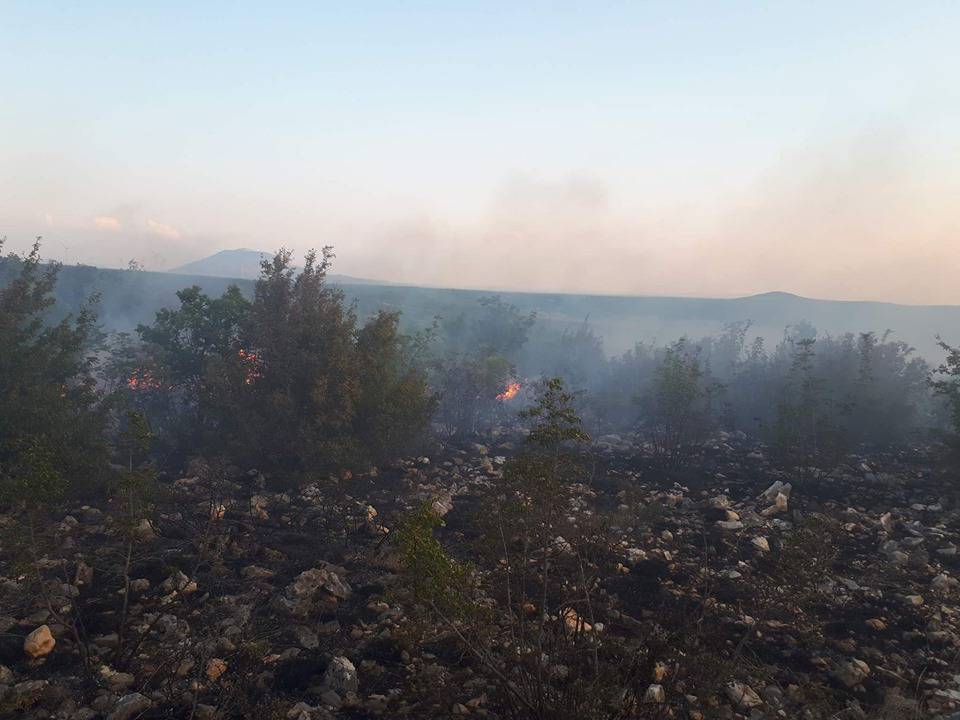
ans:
x=52 y=416
x=681 y=404
x=946 y=385
x=807 y=433
x=289 y=402
x=394 y=406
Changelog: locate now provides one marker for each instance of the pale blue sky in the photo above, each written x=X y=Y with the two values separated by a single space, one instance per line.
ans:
x=683 y=147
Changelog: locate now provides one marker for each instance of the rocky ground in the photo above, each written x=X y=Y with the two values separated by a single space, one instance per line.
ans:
x=230 y=597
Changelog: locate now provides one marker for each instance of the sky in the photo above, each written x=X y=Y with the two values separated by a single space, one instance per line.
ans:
x=650 y=148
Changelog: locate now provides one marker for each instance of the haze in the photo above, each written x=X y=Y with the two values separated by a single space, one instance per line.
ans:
x=657 y=148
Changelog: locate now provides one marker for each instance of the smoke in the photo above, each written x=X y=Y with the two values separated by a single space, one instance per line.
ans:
x=872 y=219
x=870 y=216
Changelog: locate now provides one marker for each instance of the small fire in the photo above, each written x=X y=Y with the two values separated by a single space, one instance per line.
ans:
x=143 y=380
x=511 y=391
x=253 y=369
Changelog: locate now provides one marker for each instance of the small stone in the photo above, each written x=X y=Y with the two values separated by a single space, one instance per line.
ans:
x=83 y=575
x=760 y=543
x=331 y=699
x=772 y=695
x=943 y=583
x=143 y=531
x=255 y=572
x=215 y=668
x=306 y=637
x=777 y=488
x=655 y=694
x=39 y=643
x=886 y=522
x=300 y=711
x=22 y=695
x=258 y=507
x=116 y=681
x=130 y=706
x=778 y=508
x=341 y=676
x=742 y=695
x=852 y=673
x=574 y=622
x=730 y=525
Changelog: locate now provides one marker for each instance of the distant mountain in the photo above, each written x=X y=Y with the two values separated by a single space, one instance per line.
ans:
x=128 y=298
x=244 y=264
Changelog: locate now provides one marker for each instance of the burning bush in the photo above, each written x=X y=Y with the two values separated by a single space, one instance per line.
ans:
x=289 y=381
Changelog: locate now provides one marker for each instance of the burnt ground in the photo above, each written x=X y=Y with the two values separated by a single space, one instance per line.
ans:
x=244 y=598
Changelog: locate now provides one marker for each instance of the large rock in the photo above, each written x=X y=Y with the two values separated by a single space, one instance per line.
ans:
x=39 y=643
x=313 y=591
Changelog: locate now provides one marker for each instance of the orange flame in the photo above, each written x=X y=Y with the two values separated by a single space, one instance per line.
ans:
x=253 y=370
x=511 y=391
x=143 y=380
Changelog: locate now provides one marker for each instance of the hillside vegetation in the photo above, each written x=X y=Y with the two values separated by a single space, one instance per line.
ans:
x=265 y=501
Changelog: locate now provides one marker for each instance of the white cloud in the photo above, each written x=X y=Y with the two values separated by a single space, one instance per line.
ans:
x=106 y=222
x=165 y=231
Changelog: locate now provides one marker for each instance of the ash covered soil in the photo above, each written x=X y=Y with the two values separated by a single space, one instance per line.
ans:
x=833 y=596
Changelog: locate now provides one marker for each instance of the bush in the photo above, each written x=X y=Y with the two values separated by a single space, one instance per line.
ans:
x=531 y=614
x=681 y=404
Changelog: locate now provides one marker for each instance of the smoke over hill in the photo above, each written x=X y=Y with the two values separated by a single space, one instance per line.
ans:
x=128 y=298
